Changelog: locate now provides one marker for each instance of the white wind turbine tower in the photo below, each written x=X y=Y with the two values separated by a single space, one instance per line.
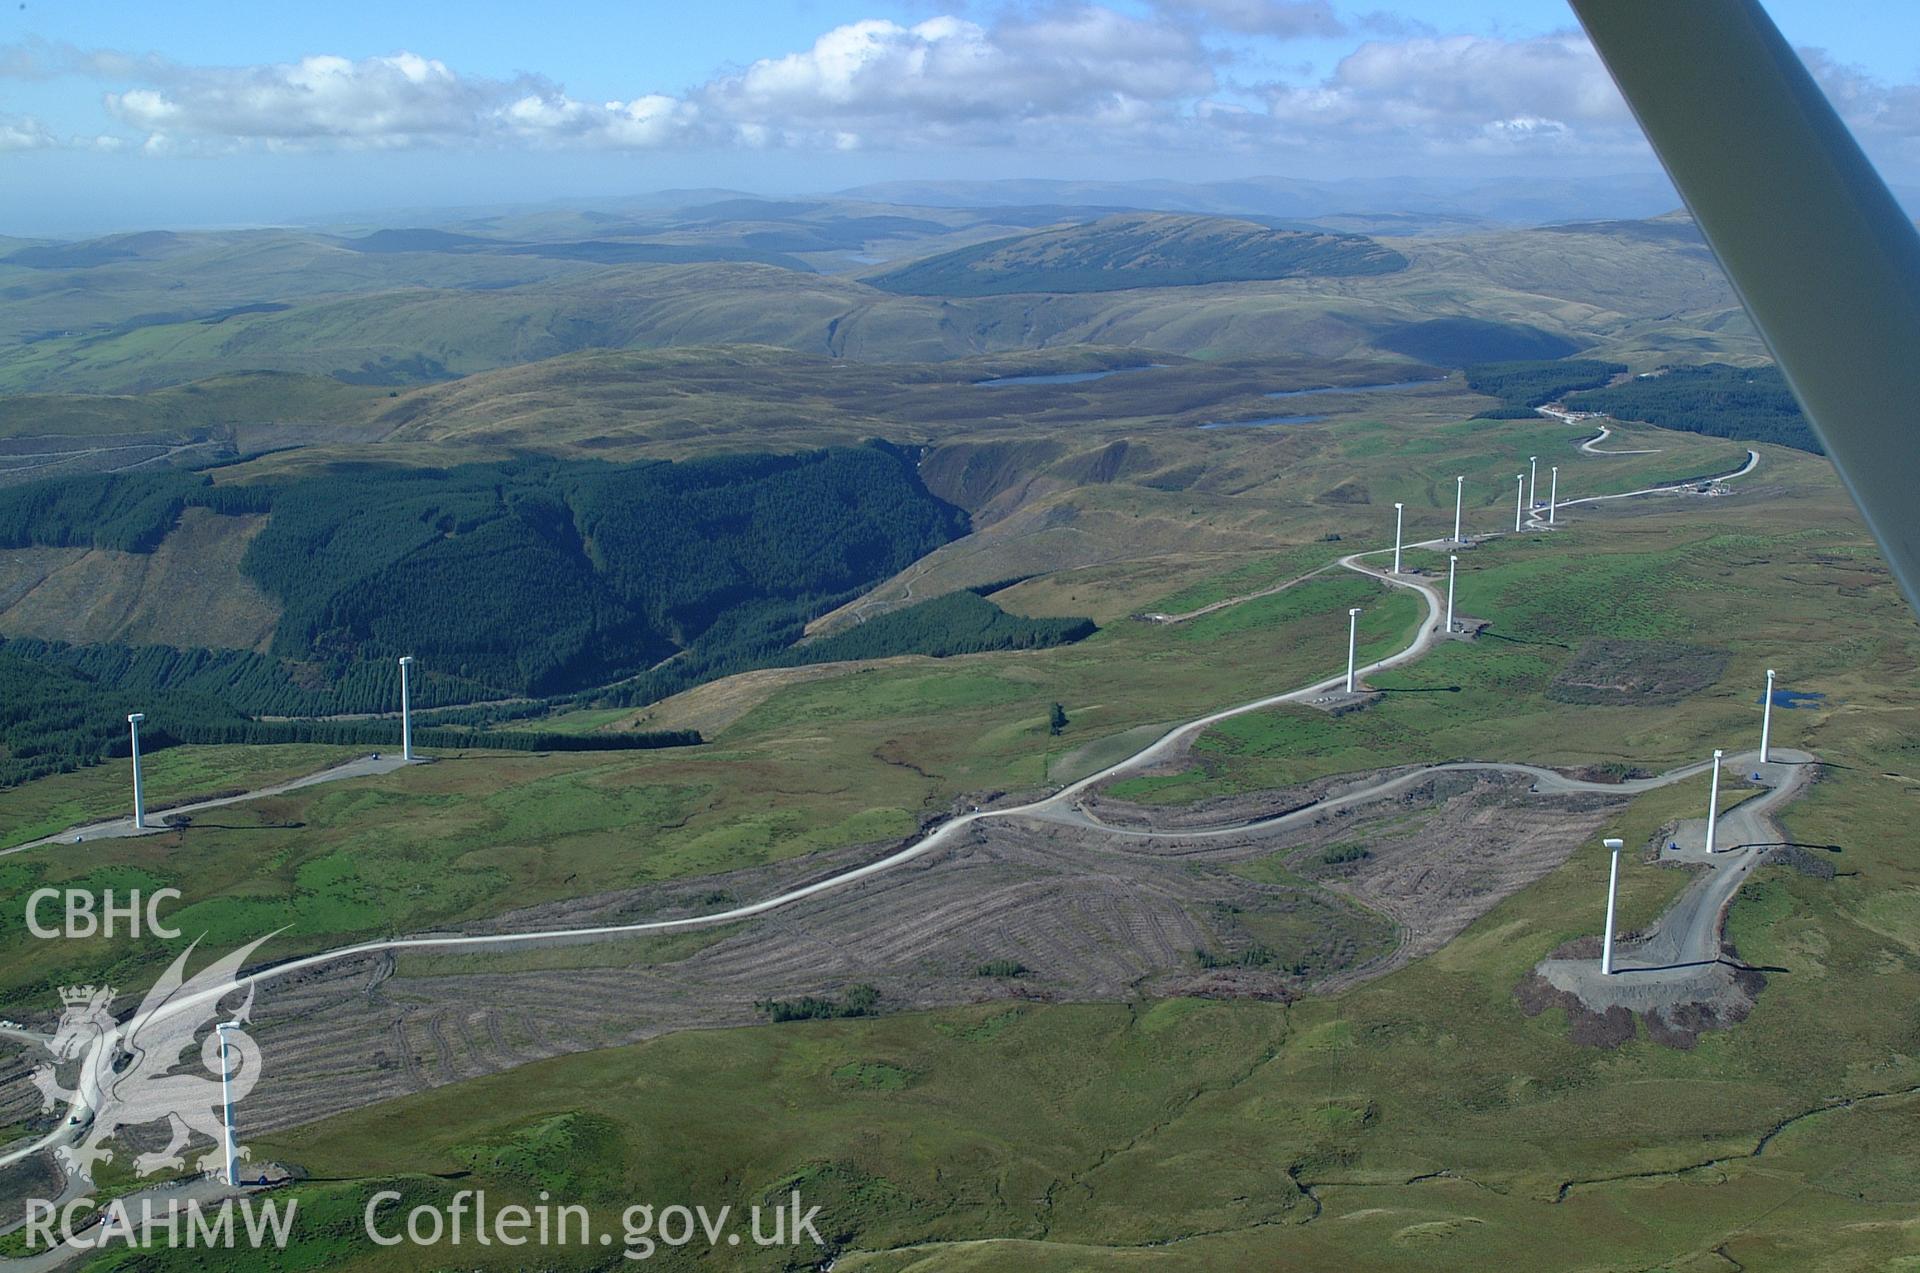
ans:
x=1519 y=498
x=1713 y=803
x=1353 y=639
x=226 y=1096
x=1766 y=722
x=1459 y=493
x=1399 y=522
x=406 y=710
x=1453 y=561
x=139 y=804
x=1533 y=481
x=1553 y=495
x=1613 y=891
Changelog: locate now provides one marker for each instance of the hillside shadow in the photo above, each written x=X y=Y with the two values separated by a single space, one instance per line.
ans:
x=237 y=826
x=1734 y=964
x=1488 y=635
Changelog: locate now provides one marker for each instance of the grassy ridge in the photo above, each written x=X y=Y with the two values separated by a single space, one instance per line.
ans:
x=1139 y=250
x=171 y=776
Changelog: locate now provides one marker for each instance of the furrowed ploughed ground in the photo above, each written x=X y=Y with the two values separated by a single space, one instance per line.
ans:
x=1090 y=916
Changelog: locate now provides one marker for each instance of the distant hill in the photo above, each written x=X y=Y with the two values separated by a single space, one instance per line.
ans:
x=1501 y=200
x=418 y=240
x=399 y=318
x=1458 y=342
x=148 y=245
x=1141 y=249
x=1673 y=227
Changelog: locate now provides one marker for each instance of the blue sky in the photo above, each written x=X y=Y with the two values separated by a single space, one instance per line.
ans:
x=115 y=114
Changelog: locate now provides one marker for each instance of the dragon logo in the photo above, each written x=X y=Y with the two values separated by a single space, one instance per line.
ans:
x=131 y=1074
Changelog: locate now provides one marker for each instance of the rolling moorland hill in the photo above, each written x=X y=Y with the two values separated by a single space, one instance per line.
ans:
x=397 y=318
x=1490 y=203
x=1656 y=268
x=994 y=445
x=117 y=284
x=1140 y=250
x=99 y=289
x=670 y=402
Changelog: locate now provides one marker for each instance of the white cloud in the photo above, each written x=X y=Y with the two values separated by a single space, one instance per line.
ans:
x=39 y=59
x=1440 y=93
x=552 y=117
x=1285 y=19
x=1050 y=74
x=1883 y=116
x=1066 y=75
x=24 y=132
x=948 y=79
x=400 y=100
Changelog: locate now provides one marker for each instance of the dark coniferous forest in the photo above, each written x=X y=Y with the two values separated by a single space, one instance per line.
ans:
x=528 y=580
x=1522 y=386
x=1752 y=404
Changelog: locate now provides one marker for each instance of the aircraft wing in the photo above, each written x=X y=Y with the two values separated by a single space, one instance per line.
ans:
x=1824 y=259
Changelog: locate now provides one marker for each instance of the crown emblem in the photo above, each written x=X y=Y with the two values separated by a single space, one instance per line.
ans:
x=81 y=996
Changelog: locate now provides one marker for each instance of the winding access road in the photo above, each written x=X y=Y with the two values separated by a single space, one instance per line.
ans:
x=1680 y=958
x=1545 y=782
x=1592 y=445
x=1061 y=805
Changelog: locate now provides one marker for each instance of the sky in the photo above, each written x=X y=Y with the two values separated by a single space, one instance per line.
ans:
x=118 y=115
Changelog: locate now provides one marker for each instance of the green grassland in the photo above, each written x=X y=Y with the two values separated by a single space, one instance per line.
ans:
x=257 y=409
x=1669 y=575
x=1417 y=1122
x=464 y=838
x=1420 y=1121
x=1248 y=577
x=177 y=775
